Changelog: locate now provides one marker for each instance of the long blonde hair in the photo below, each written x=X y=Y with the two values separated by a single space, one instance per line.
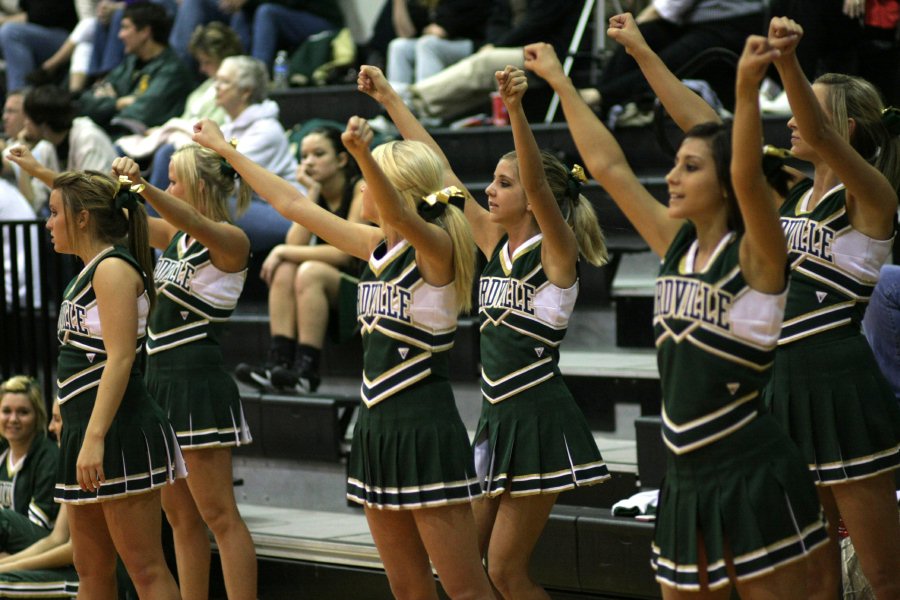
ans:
x=96 y=193
x=576 y=209
x=194 y=164
x=415 y=171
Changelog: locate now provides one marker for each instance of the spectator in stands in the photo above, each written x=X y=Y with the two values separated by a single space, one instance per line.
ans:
x=46 y=566
x=185 y=370
x=677 y=31
x=108 y=51
x=30 y=458
x=264 y=27
x=75 y=51
x=398 y=18
x=10 y=11
x=532 y=441
x=78 y=143
x=882 y=325
x=150 y=86
x=306 y=275
x=28 y=43
x=210 y=45
x=452 y=34
x=14 y=129
x=737 y=507
x=511 y=25
x=242 y=86
x=410 y=462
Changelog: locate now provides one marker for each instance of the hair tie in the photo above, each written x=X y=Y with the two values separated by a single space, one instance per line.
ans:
x=128 y=194
x=576 y=178
x=434 y=205
x=890 y=116
x=227 y=170
x=774 y=159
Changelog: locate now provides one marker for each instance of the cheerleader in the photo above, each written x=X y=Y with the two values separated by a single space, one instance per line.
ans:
x=735 y=507
x=199 y=279
x=410 y=463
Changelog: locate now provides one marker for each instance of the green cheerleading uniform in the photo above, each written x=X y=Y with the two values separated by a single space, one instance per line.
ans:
x=27 y=509
x=140 y=449
x=732 y=476
x=185 y=367
x=531 y=438
x=410 y=449
x=827 y=390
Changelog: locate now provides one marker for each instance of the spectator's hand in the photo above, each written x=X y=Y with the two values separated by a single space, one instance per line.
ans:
x=231 y=6
x=23 y=157
x=89 y=465
x=648 y=14
x=485 y=48
x=125 y=102
x=511 y=83
x=755 y=60
x=372 y=81
x=123 y=165
x=624 y=29
x=358 y=136
x=104 y=89
x=438 y=31
x=541 y=59
x=855 y=9
x=267 y=271
x=784 y=35
x=208 y=135
x=313 y=187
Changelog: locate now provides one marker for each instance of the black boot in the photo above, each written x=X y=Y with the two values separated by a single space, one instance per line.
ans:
x=280 y=355
x=303 y=376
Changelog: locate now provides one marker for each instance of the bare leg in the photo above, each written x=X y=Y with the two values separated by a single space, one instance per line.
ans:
x=134 y=525
x=95 y=554
x=448 y=533
x=316 y=286
x=517 y=527
x=404 y=557
x=282 y=302
x=192 y=548
x=869 y=509
x=210 y=483
x=789 y=581
x=485 y=510
x=670 y=593
x=824 y=568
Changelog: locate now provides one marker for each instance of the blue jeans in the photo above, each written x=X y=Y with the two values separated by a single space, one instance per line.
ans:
x=277 y=26
x=192 y=13
x=882 y=325
x=108 y=50
x=25 y=47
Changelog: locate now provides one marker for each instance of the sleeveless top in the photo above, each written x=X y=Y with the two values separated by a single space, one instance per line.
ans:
x=194 y=298
x=407 y=324
x=82 y=355
x=524 y=319
x=834 y=267
x=715 y=340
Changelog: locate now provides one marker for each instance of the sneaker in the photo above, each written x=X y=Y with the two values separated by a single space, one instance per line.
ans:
x=302 y=381
x=260 y=375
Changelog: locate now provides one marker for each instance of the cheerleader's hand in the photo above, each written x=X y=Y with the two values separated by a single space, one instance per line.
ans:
x=541 y=59
x=358 y=136
x=89 y=465
x=372 y=81
x=23 y=157
x=127 y=167
x=755 y=59
x=785 y=35
x=208 y=134
x=512 y=83
x=624 y=29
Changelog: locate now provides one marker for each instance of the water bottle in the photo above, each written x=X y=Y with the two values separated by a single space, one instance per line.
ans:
x=280 y=71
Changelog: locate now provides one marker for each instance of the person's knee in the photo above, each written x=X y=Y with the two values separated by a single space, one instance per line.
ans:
x=94 y=566
x=428 y=43
x=220 y=514
x=283 y=278
x=310 y=275
x=9 y=33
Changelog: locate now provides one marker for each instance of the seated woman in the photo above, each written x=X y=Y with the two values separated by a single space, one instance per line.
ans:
x=242 y=85
x=27 y=509
x=306 y=275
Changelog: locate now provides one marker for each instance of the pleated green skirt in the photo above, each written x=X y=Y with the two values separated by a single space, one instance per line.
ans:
x=828 y=393
x=536 y=442
x=750 y=491
x=411 y=451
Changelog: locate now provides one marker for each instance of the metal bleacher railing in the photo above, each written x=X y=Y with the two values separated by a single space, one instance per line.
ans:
x=30 y=290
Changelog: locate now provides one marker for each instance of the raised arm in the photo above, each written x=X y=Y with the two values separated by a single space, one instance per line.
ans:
x=23 y=157
x=434 y=248
x=603 y=155
x=353 y=238
x=871 y=199
x=229 y=246
x=373 y=82
x=763 y=251
x=559 y=251
x=685 y=107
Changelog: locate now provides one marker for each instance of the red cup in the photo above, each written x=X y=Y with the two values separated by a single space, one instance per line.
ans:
x=499 y=114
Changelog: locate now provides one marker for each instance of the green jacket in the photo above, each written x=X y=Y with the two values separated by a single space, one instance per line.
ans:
x=33 y=485
x=161 y=87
